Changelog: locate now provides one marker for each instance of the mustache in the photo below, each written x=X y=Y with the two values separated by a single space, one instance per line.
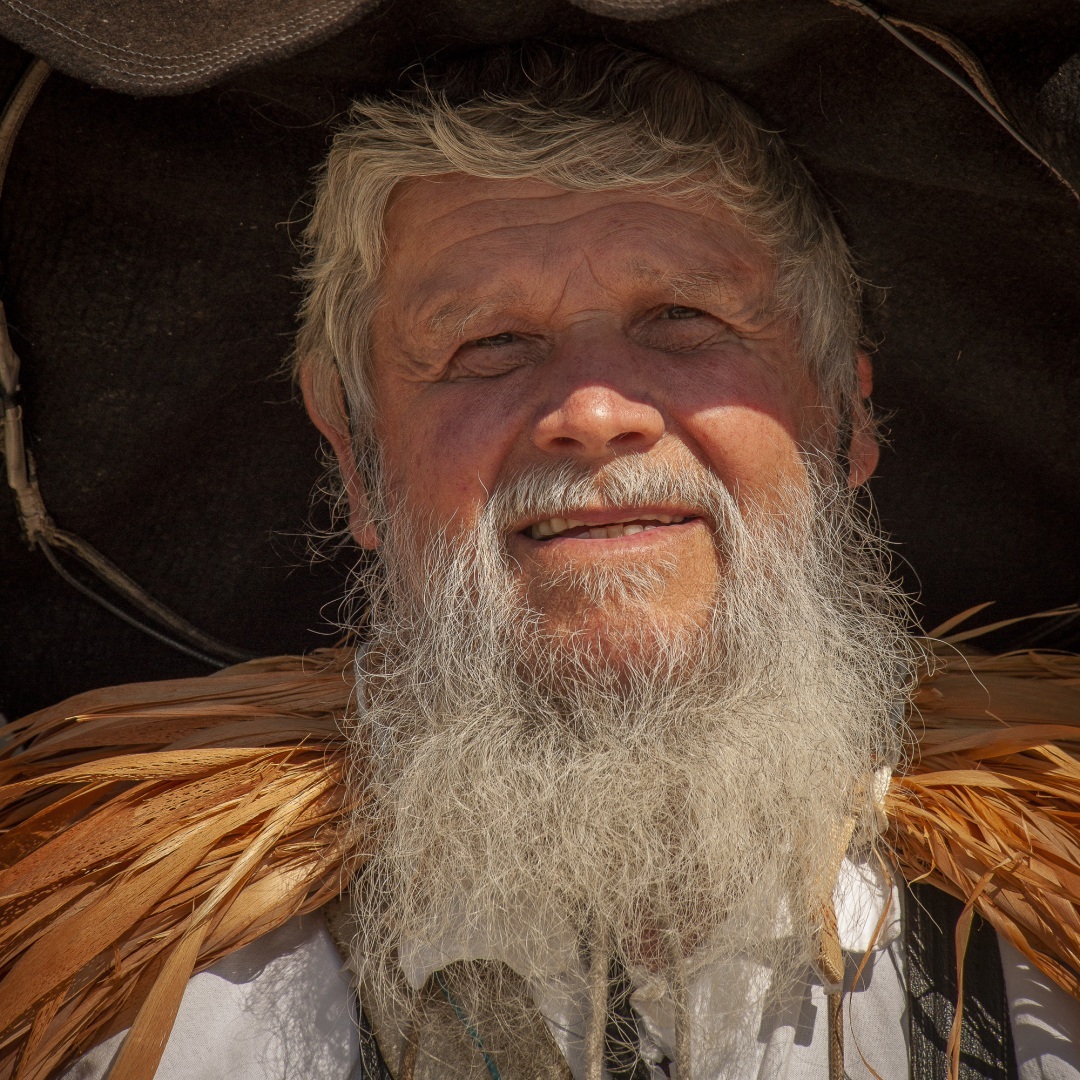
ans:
x=563 y=488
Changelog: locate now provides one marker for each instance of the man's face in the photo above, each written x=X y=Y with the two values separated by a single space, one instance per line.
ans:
x=523 y=325
x=537 y=348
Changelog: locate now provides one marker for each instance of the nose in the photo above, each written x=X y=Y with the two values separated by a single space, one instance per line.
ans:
x=595 y=419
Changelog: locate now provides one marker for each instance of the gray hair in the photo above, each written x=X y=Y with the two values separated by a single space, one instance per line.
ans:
x=591 y=117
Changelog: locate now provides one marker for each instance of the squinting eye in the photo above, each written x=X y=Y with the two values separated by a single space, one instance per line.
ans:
x=493 y=341
x=678 y=312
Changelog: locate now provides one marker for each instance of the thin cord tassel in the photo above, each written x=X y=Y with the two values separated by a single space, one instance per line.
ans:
x=836 y=1035
x=831 y=967
x=599 y=958
x=680 y=996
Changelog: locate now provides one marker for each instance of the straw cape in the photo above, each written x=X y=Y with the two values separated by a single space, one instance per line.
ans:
x=151 y=829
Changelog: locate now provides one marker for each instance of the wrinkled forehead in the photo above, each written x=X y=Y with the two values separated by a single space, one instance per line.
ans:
x=449 y=233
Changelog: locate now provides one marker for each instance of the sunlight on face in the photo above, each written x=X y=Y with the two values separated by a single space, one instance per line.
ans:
x=524 y=326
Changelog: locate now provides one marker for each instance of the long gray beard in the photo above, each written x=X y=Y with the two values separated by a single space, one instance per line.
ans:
x=698 y=790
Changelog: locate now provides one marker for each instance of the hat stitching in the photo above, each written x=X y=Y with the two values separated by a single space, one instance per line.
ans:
x=236 y=49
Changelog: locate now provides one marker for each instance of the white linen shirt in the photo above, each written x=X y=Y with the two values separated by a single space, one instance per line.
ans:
x=282 y=1009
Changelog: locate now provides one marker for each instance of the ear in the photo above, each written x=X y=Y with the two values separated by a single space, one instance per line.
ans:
x=863 y=453
x=335 y=430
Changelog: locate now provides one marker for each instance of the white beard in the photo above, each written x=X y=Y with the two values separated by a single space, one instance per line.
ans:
x=702 y=796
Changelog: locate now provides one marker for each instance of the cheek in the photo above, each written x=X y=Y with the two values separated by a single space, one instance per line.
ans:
x=751 y=450
x=447 y=445
x=747 y=425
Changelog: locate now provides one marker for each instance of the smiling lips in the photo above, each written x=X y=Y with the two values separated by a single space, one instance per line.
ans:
x=572 y=528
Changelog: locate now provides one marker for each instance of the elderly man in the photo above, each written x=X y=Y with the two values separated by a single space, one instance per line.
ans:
x=584 y=340
x=597 y=339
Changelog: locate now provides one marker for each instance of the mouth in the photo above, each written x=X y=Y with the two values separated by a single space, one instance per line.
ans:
x=604 y=525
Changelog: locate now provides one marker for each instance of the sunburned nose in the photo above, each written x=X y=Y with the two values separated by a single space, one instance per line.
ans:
x=598 y=421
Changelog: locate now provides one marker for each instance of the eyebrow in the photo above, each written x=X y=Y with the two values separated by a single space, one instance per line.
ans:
x=693 y=284
x=452 y=316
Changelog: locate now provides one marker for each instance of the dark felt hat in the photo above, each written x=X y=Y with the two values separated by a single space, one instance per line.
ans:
x=147 y=237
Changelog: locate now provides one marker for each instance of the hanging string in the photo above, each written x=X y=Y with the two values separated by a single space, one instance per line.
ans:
x=596 y=1027
x=831 y=969
x=974 y=82
x=680 y=998
x=37 y=524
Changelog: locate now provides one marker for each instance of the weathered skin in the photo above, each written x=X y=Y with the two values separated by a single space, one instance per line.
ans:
x=522 y=323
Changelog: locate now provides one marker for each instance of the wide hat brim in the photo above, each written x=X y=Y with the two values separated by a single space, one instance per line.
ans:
x=148 y=245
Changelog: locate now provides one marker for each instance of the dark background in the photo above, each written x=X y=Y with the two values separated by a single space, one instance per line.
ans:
x=148 y=255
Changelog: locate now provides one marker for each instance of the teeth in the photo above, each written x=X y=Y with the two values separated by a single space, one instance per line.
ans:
x=556 y=526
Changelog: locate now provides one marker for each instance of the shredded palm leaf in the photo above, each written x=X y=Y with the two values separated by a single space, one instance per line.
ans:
x=146 y=831
x=993 y=787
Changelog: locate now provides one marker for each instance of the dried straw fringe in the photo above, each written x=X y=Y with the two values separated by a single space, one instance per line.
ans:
x=989 y=809
x=149 y=830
